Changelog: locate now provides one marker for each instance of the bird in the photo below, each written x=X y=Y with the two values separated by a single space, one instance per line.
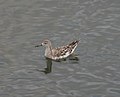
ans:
x=58 y=53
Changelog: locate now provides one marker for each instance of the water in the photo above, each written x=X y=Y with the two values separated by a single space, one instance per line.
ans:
x=25 y=23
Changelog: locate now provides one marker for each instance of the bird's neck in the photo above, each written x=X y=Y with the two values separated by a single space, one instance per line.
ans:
x=48 y=51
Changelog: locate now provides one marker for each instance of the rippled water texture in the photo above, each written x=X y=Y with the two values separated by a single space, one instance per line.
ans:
x=25 y=23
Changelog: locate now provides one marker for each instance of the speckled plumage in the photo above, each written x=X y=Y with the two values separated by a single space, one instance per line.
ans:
x=59 y=52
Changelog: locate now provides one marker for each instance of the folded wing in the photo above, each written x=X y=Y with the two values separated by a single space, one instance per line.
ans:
x=64 y=51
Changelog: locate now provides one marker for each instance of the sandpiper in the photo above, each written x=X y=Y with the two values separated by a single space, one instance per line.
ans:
x=59 y=52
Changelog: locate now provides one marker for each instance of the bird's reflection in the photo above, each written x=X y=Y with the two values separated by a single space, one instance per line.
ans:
x=48 y=69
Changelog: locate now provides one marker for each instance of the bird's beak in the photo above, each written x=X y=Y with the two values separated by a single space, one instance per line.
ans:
x=38 y=45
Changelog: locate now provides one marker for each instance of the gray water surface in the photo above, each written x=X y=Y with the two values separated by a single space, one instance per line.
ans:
x=25 y=23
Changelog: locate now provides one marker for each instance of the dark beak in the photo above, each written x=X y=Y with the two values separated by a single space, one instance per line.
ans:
x=38 y=45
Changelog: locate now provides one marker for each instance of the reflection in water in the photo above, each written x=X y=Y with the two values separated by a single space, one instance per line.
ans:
x=48 y=69
x=74 y=57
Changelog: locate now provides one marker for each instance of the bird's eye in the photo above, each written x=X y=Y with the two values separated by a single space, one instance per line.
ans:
x=45 y=43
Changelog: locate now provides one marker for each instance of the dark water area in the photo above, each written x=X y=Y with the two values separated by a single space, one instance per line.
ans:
x=25 y=23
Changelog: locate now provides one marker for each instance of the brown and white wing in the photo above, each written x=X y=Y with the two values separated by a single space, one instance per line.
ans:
x=64 y=51
x=72 y=46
